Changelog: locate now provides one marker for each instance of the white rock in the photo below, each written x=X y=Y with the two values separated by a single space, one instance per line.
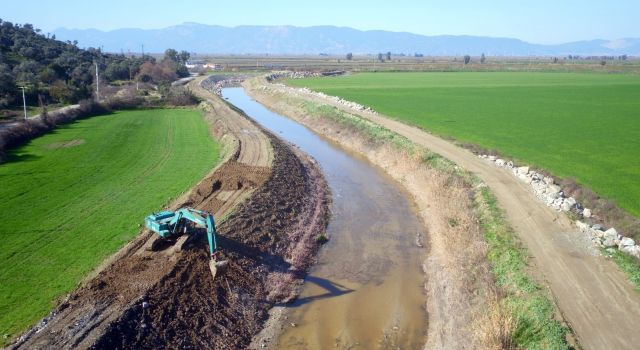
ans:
x=609 y=242
x=492 y=158
x=548 y=180
x=582 y=226
x=509 y=164
x=552 y=189
x=597 y=233
x=500 y=162
x=572 y=201
x=586 y=213
x=626 y=242
x=565 y=206
x=524 y=170
x=632 y=250
x=611 y=233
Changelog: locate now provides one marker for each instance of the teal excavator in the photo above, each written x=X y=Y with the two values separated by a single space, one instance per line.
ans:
x=172 y=224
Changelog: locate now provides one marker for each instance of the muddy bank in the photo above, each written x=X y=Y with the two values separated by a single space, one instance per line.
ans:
x=283 y=205
x=458 y=284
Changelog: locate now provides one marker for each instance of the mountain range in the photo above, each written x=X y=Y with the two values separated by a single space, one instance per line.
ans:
x=291 y=40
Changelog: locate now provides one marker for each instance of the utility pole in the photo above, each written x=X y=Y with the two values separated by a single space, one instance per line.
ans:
x=24 y=104
x=97 y=83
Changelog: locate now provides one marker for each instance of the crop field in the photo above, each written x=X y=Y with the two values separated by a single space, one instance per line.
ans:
x=585 y=126
x=74 y=196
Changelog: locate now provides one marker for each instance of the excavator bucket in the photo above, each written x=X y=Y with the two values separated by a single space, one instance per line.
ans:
x=218 y=267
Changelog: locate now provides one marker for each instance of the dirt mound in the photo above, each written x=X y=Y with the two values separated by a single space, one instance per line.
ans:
x=213 y=192
x=190 y=310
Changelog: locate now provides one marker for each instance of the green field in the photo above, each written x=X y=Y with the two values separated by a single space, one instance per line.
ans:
x=76 y=195
x=584 y=126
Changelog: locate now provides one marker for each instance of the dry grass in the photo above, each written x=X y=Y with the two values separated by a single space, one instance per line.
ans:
x=494 y=328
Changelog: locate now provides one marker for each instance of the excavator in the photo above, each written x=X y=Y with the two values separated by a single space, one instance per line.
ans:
x=172 y=224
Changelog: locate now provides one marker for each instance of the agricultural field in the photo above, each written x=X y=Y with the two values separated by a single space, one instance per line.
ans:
x=74 y=196
x=579 y=125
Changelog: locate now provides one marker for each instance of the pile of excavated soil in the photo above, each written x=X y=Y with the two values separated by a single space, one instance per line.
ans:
x=190 y=310
x=183 y=306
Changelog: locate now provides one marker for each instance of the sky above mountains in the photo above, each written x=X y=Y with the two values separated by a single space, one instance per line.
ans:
x=542 y=21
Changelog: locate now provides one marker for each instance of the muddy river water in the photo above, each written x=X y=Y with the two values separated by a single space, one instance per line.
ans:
x=366 y=291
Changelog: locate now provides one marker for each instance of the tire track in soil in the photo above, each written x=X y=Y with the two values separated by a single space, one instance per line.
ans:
x=188 y=308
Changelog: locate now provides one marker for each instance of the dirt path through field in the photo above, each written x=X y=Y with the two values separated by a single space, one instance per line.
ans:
x=595 y=297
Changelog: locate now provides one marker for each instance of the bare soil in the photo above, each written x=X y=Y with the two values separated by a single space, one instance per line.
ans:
x=280 y=199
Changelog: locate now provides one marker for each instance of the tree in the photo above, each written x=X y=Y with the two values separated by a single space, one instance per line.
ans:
x=26 y=72
x=467 y=59
x=61 y=92
x=349 y=56
x=380 y=57
x=159 y=73
x=483 y=58
x=388 y=55
x=170 y=55
x=8 y=86
x=184 y=56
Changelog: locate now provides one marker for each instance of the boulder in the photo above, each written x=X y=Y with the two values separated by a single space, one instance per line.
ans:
x=609 y=242
x=582 y=226
x=548 y=180
x=586 y=213
x=523 y=170
x=597 y=227
x=509 y=164
x=552 y=189
x=633 y=250
x=611 y=233
x=626 y=242
x=597 y=233
x=500 y=162
x=572 y=201
x=492 y=158
x=565 y=206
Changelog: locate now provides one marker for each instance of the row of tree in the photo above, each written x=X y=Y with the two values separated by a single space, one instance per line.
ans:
x=56 y=71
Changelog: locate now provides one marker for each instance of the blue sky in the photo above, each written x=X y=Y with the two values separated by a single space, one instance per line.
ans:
x=538 y=21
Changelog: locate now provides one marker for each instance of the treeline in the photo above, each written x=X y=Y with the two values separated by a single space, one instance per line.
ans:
x=56 y=71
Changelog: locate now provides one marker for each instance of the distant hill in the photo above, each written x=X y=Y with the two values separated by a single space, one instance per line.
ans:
x=202 y=38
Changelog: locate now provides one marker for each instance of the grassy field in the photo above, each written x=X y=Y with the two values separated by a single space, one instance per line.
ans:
x=73 y=197
x=584 y=126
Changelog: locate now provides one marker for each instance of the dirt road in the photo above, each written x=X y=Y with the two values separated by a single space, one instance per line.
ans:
x=596 y=299
x=142 y=299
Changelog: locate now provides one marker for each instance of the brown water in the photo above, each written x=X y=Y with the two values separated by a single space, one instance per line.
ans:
x=366 y=291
